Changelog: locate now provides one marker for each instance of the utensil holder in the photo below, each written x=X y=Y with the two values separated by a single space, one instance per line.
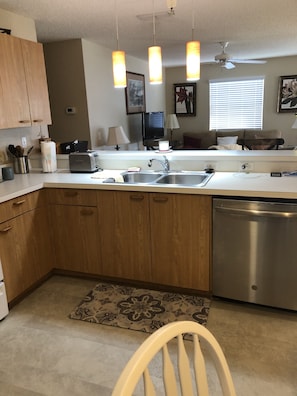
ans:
x=21 y=164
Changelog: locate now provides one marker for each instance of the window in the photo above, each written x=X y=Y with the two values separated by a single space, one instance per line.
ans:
x=236 y=104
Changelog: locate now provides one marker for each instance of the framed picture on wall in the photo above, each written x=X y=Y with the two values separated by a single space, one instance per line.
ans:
x=287 y=94
x=135 y=93
x=185 y=99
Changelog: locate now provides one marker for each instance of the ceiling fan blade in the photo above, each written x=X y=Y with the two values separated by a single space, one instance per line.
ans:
x=228 y=65
x=255 y=61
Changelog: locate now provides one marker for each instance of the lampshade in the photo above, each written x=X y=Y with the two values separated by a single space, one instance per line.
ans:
x=116 y=136
x=119 y=69
x=193 y=60
x=155 y=64
x=172 y=122
x=294 y=126
x=118 y=59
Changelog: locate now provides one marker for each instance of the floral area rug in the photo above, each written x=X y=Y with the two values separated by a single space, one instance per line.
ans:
x=139 y=309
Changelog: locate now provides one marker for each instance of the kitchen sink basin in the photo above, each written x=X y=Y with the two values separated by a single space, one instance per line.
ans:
x=185 y=179
x=140 y=177
x=196 y=179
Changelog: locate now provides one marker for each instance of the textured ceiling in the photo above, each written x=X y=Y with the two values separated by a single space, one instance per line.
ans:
x=256 y=29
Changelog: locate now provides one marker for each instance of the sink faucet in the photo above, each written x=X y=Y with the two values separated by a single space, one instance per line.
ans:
x=165 y=163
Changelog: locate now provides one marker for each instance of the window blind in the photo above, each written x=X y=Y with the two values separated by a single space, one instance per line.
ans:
x=236 y=104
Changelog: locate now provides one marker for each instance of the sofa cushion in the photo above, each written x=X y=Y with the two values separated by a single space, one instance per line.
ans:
x=223 y=140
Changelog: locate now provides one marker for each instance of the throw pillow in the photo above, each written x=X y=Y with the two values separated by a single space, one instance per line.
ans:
x=223 y=140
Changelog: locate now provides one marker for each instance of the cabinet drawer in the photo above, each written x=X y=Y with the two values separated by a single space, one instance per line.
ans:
x=24 y=203
x=69 y=196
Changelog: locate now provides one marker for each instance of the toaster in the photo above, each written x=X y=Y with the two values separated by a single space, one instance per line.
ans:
x=86 y=162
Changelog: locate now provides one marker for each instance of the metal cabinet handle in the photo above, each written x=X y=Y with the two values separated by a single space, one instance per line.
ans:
x=160 y=199
x=6 y=229
x=136 y=197
x=17 y=203
x=256 y=212
x=25 y=121
x=86 y=212
x=37 y=120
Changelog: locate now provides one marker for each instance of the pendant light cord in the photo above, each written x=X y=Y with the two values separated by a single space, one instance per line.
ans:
x=154 y=24
x=193 y=20
x=117 y=24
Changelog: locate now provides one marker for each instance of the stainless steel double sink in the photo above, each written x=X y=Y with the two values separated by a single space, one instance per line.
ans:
x=172 y=178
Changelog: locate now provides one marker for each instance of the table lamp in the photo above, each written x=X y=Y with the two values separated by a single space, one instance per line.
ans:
x=172 y=123
x=116 y=136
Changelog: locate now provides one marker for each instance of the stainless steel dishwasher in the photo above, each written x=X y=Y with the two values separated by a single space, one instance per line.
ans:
x=255 y=251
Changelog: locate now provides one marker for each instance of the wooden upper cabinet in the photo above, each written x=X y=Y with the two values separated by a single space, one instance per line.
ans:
x=23 y=86
x=36 y=81
x=15 y=111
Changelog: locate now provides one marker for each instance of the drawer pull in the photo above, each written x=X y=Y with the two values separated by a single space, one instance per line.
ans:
x=136 y=197
x=160 y=199
x=37 y=120
x=86 y=212
x=25 y=121
x=17 y=203
x=6 y=229
x=71 y=193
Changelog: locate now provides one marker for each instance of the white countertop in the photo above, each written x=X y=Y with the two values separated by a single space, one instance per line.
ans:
x=221 y=183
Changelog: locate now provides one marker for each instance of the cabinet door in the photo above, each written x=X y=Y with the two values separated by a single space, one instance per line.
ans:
x=36 y=81
x=125 y=237
x=180 y=234
x=25 y=251
x=15 y=111
x=75 y=234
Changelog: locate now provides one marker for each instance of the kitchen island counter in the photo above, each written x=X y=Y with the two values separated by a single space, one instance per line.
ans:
x=221 y=183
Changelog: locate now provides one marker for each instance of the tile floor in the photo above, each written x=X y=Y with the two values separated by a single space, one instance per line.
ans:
x=42 y=352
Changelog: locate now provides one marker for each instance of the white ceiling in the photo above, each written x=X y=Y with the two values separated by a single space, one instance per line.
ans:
x=256 y=29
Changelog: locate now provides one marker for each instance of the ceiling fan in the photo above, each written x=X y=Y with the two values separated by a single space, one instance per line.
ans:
x=227 y=62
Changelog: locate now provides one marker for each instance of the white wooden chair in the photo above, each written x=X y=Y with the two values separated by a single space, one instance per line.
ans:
x=189 y=378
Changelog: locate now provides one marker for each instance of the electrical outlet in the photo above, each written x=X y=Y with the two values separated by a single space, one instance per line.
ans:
x=246 y=166
x=24 y=141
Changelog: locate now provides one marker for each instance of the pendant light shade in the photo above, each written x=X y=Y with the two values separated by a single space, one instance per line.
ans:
x=118 y=59
x=155 y=64
x=193 y=60
x=119 y=69
x=193 y=53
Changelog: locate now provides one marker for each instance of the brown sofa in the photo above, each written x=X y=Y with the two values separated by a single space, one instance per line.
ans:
x=246 y=139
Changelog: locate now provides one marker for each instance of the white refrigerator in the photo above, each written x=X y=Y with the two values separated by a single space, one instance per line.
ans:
x=3 y=298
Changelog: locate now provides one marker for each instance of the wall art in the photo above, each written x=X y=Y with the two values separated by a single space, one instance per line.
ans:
x=287 y=94
x=185 y=99
x=135 y=93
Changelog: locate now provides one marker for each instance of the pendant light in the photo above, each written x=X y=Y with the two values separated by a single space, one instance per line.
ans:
x=155 y=57
x=118 y=60
x=193 y=54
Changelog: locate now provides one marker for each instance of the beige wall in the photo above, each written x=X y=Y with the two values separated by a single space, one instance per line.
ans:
x=20 y=26
x=80 y=75
x=272 y=70
x=66 y=82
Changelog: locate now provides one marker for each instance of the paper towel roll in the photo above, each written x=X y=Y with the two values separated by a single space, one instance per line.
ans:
x=48 y=155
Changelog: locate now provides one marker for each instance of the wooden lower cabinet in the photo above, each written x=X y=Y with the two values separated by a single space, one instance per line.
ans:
x=75 y=238
x=155 y=237
x=151 y=237
x=125 y=234
x=25 y=251
x=180 y=238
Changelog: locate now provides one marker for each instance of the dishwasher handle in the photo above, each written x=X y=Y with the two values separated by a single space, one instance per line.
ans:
x=255 y=212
